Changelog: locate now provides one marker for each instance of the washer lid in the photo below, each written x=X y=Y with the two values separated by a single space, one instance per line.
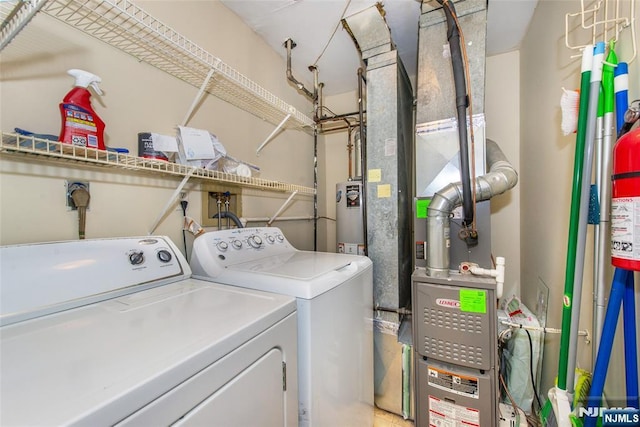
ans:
x=299 y=265
x=99 y=363
x=303 y=274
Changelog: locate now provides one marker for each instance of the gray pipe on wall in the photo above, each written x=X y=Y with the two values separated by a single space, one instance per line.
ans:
x=500 y=178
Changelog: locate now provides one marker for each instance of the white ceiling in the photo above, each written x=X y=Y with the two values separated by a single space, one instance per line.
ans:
x=311 y=25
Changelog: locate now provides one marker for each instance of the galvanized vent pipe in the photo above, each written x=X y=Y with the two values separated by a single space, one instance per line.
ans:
x=290 y=44
x=500 y=178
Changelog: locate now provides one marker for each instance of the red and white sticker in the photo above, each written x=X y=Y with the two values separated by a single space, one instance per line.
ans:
x=447 y=414
x=625 y=228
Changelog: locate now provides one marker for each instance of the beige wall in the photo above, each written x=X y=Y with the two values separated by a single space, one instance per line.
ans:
x=546 y=175
x=502 y=100
x=138 y=98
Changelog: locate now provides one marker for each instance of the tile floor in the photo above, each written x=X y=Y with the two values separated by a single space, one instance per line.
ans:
x=387 y=419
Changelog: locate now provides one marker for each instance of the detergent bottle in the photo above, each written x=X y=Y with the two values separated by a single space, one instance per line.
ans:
x=80 y=123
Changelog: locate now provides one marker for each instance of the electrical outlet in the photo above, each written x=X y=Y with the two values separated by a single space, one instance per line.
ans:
x=70 y=186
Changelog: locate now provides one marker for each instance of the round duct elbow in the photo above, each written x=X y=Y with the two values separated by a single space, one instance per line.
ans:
x=500 y=178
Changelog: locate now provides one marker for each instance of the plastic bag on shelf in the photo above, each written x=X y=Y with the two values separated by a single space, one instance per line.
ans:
x=229 y=164
x=199 y=148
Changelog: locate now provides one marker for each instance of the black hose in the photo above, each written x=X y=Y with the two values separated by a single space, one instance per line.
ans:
x=533 y=378
x=184 y=204
x=462 y=102
x=231 y=215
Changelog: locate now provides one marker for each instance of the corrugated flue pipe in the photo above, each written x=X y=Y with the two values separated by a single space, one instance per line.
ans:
x=500 y=178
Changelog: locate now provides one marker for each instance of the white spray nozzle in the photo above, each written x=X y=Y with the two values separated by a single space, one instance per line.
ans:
x=86 y=79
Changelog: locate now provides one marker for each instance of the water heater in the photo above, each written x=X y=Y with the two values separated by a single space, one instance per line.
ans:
x=349 y=218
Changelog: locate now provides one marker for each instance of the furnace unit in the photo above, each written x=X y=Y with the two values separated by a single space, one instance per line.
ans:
x=455 y=341
x=454 y=318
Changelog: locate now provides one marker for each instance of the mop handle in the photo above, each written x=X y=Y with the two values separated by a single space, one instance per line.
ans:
x=577 y=209
x=621 y=83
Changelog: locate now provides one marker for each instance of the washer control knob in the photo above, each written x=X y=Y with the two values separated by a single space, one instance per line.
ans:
x=222 y=246
x=271 y=239
x=164 y=255
x=280 y=238
x=237 y=244
x=255 y=241
x=136 y=257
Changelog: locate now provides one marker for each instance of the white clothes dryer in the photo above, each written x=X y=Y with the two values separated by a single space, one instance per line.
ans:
x=334 y=295
x=116 y=332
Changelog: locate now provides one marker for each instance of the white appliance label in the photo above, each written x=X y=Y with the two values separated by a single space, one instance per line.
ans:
x=452 y=382
x=447 y=414
x=625 y=228
x=348 y=248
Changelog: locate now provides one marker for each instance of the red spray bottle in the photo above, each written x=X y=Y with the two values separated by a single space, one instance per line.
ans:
x=80 y=123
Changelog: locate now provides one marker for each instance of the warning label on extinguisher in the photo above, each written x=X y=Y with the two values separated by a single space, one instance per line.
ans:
x=625 y=228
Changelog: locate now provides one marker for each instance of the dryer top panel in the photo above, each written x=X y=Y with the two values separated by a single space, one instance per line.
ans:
x=43 y=278
x=96 y=364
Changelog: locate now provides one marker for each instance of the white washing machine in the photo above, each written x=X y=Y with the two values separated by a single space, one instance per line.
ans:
x=334 y=294
x=115 y=332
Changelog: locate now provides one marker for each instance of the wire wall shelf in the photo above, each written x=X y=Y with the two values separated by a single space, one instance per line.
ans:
x=15 y=15
x=127 y=27
x=21 y=145
x=602 y=20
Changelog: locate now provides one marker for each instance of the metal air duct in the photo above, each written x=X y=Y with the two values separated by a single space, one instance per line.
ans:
x=387 y=167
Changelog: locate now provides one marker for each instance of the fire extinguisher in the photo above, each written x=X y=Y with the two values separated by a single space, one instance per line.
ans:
x=625 y=203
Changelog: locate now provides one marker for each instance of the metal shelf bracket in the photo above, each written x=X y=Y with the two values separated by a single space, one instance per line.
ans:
x=272 y=134
x=198 y=97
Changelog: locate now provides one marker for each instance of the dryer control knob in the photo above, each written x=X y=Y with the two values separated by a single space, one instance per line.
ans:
x=164 y=255
x=237 y=244
x=136 y=258
x=222 y=246
x=255 y=241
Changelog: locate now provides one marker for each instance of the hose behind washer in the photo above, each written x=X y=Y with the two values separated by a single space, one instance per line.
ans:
x=230 y=215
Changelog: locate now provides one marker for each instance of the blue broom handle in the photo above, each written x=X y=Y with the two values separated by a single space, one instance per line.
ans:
x=621 y=84
x=630 y=344
x=620 y=278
